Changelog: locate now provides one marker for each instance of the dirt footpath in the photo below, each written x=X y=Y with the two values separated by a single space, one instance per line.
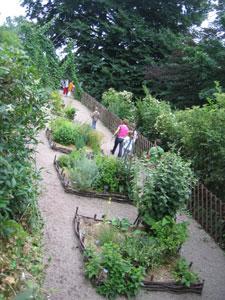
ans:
x=64 y=275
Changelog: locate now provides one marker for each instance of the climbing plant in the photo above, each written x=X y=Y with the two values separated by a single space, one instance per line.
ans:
x=68 y=69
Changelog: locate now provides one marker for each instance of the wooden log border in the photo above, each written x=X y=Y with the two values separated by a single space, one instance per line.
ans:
x=53 y=145
x=116 y=197
x=170 y=286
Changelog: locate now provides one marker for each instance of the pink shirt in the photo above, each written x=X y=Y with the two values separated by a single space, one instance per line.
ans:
x=123 y=131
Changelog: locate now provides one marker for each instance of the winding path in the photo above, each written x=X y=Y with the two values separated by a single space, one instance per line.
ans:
x=64 y=274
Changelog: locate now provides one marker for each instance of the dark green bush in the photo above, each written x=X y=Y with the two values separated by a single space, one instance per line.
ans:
x=147 y=112
x=120 y=276
x=112 y=173
x=165 y=188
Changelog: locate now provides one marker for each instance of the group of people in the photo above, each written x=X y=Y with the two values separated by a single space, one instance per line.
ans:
x=126 y=138
x=67 y=86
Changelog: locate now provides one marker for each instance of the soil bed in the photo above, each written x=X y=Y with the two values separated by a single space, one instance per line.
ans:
x=160 y=279
x=64 y=179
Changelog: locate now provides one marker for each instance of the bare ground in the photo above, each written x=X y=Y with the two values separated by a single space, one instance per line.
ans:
x=64 y=275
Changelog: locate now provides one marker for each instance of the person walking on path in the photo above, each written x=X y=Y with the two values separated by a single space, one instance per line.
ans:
x=65 y=87
x=70 y=88
x=95 y=116
x=120 y=134
x=128 y=144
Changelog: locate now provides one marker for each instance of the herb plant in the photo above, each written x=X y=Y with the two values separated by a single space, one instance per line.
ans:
x=183 y=274
x=114 y=274
x=165 y=188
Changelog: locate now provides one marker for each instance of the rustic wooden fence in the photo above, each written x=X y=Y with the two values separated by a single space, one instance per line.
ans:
x=209 y=211
x=205 y=207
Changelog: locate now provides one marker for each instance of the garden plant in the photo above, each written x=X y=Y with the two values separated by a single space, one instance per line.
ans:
x=66 y=132
x=98 y=172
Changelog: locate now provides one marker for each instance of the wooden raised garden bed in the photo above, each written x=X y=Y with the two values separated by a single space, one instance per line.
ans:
x=149 y=284
x=56 y=146
x=116 y=197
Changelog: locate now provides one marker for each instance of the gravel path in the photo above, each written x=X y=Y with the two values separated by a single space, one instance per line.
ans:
x=64 y=275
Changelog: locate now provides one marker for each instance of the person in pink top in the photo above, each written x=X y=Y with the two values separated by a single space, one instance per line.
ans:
x=120 y=133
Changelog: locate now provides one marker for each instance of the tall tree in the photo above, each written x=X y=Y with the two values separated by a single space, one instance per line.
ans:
x=116 y=39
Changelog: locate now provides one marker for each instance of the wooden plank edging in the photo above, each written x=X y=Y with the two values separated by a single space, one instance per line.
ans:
x=115 y=197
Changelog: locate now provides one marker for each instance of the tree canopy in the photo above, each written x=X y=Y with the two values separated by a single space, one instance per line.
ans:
x=116 y=40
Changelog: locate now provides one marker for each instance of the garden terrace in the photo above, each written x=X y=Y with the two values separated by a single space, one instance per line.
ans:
x=64 y=279
x=86 y=228
x=64 y=136
x=64 y=177
x=205 y=207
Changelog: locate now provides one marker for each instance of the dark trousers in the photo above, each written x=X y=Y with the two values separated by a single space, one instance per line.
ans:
x=118 y=141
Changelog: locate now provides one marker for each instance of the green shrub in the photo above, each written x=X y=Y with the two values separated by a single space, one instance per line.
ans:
x=120 y=103
x=83 y=173
x=57 y=103
x=169 y=234
x=111 y=174
x=107 y=234
x=198 y=133
x=69 y=112
x=165 y=189
x=94 y=140
x=67 y=160
x=183 y=274
x=147 y=112
x=114 y=274
x=66 y=132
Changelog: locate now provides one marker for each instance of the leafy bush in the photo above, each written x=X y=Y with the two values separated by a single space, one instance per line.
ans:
x=199 y=134
x=120 y=103
x=67 y=133
x=94 y=140
x=114 y=274
x=57 y=103
x=64 y=132
x=112 y=174
x=83 y=173
x=169 y=234
x=183 y=274
x=69 y=112
x=23 y=105
x=68 y=160
x=165 y=189
x=147 y=112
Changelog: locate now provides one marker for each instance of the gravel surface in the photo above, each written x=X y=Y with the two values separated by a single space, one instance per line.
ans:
x=64 y=275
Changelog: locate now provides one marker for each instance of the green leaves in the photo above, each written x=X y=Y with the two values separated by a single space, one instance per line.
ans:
x=183 y=274
x=113 y=274
x=165 y=187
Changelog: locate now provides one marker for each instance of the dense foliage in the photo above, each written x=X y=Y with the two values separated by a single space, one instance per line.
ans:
x=100 y=172
x=119 y=103
x=119 y=257
x=199 y=135
x=162 y=188
x=22 y=114
x=66 y=132
x=115 y=41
